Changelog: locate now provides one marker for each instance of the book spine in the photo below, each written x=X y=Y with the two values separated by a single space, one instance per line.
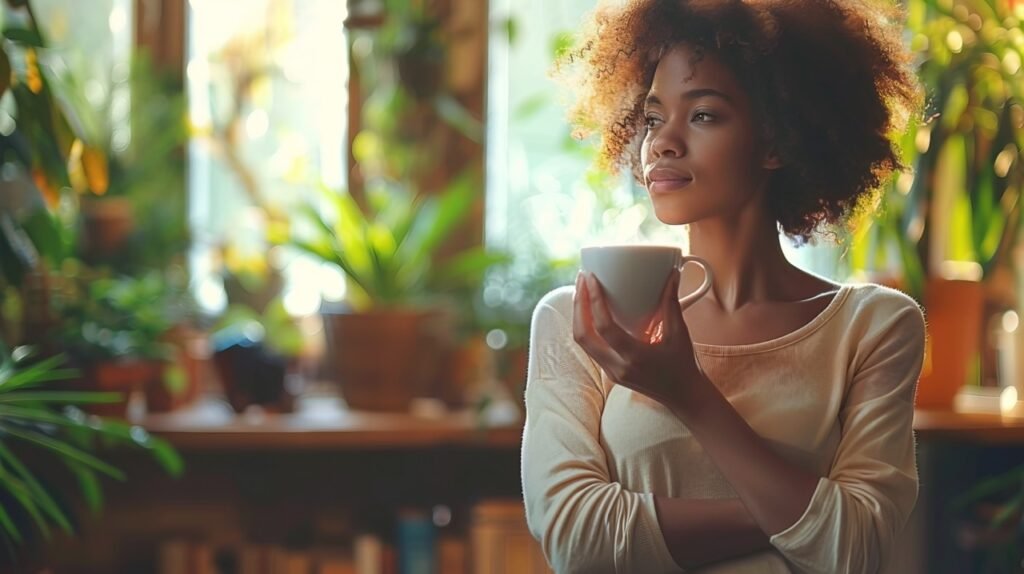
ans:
x=416 y=543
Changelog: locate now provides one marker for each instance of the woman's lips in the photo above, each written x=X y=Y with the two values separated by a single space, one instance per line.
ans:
x=663 y=185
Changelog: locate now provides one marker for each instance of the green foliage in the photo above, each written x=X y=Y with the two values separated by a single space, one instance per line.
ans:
x=389 y=253
x=1006 y=490
x=964 y=196
x=107 y=317
x=148 y=169
x=63 y=146
x=277 y=328
x=408 y=111
x=37 y=151
x=47 y=422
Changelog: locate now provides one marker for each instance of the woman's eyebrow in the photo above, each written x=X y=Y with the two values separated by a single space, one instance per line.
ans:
x=694 y=94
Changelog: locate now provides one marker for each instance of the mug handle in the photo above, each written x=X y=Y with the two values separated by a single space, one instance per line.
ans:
x=690 y=299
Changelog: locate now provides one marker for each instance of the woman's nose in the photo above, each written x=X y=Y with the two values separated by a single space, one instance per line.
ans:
x=667 y=142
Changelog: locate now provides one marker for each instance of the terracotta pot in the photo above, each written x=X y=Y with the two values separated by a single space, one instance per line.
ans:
x=382 y=360
x=125 y=377
x=162 y=397
x=467 y=366
x=953 y=310
x=191 y=363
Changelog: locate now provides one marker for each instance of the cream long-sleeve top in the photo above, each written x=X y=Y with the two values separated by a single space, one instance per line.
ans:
x=835 y=397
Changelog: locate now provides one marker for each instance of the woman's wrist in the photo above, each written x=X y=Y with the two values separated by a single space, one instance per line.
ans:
x=696 y=394
x=701 y=532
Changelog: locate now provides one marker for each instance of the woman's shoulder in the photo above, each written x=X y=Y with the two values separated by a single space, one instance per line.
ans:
x=559 y=300
x=884 y=307
x=881 y=296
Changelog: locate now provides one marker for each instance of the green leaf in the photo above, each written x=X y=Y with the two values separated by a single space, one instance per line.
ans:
x=323 y=231
x=5 y=71
x=989 y=487
x=511 y=27
x=41 y=372
x=335 y=258
x=64 y=449
x=457 y=116
x=89 y=484
x=8 y=524
x=46 y=502
x=452 y=207
x=471 y=265
x=404 y=218
x=44 y=232
x=21 y=494
x=175 y=379
x=8 y=412
x=561 y=43
x=950 y=193
x=531 y=106
x=62 y=397
x=24 y=36
x=1009 y=509
x=350 y=232
x=166 y=455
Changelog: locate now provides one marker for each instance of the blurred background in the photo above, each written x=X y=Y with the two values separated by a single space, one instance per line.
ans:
x=267 y=269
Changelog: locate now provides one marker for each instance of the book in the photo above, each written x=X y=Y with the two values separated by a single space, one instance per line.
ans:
x=452 y=554
x=369 y=554
x=415 y=542
x=501 y=542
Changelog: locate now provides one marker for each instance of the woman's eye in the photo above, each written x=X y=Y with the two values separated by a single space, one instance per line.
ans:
x=650 y=121
x=703 y=117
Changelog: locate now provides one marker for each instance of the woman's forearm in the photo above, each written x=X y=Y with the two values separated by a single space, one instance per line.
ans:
x=775 y=491
x=700 y=532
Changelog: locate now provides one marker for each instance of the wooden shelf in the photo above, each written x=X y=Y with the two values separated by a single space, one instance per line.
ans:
x=326 y=429
x=982 y=428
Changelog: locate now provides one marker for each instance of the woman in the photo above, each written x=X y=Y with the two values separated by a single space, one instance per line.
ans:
x=768 y=428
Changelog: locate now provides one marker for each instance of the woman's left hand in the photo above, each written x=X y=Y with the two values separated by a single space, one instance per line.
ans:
x=658 y=367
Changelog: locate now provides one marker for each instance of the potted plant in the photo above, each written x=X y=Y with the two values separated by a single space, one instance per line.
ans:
x=950 y=226
x=118 y=331
x=130 y=172
x=34 y=232
x=386 y=345
x=37 y=420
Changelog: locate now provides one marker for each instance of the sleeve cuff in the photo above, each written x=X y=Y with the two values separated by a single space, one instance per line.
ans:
x=809 y=523
x=651 y=541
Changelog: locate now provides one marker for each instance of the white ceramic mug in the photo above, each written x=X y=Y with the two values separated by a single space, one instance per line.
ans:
x=634 y=276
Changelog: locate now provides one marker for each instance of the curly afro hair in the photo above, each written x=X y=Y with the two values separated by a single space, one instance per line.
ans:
x=831 y=83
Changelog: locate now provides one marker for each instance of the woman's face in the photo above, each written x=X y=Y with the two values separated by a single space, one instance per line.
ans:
x=702 y=154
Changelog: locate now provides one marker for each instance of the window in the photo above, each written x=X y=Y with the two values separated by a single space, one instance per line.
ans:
x=267 y=86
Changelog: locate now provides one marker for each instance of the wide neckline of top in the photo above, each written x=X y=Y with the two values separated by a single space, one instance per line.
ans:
x=787 y=339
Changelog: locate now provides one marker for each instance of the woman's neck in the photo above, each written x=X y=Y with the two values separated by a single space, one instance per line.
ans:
x=746 y=259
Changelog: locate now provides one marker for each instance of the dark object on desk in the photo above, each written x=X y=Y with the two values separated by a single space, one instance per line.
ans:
x=250 y=373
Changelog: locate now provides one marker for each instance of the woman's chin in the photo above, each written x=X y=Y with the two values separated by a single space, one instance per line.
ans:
x=672 y=216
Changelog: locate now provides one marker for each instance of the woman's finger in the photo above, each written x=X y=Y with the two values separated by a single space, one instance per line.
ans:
x=603 y=322
x=584 y=334
x=580 y=311
x=670 y=305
